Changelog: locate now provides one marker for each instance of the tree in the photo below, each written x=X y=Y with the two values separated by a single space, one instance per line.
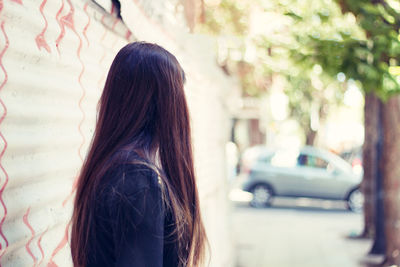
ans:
x=311 y=94
x=308 y=90
x=372 y=58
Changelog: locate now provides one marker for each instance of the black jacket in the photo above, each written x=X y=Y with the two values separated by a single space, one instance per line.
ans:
x=131 y=225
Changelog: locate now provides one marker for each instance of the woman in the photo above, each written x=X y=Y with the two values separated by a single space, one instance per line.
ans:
x=136 y=202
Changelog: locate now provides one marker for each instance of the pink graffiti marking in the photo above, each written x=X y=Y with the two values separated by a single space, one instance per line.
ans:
x=80 y=152
x=81 y=99
x=62 y=27
x=128 y=35
x=40 y=247
x=62 y=244
x=88 y=23
x=99 y=83
x=113 y=9
x=73 y=188
x=40 y=40
x=103 y=56
x=69 y=22
x=105 y=30
x=113 y=28
x=18 y=1
x=116 y=20
x=61 y=24
x=4 y=141
x=25 y=219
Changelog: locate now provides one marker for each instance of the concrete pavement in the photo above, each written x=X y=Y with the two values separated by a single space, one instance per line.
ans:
x=298 y=233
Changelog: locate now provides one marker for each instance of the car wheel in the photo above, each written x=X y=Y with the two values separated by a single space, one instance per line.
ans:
x=262 y=196
x=355 y=201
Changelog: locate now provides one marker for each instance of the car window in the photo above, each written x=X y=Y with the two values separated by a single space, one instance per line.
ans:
x=312 y=161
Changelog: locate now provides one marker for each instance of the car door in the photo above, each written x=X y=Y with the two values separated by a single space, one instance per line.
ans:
x=285 y=179
x=321 y=178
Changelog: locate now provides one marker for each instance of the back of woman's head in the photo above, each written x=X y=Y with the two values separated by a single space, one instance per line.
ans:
x=143 y=107
x=143 y=94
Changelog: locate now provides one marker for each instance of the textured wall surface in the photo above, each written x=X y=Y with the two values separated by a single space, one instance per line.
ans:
x=54 y=57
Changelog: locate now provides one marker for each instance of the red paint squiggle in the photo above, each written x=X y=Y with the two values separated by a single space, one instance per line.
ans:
x=113 y=28
x=78 y=53
x=87 y=25
x=69 y=22
x=99 y=83
x=62 y=244
x=61 y=24
x=105 y=30
x=128 y=35
x=40 y=247
x=40 y=40
x=18 y=1
x=4 y=141
x=116 y=20
x=103 y=56
x=25 y=219
x=82 y=97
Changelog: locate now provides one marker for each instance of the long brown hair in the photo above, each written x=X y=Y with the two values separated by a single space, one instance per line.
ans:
x=144 y=100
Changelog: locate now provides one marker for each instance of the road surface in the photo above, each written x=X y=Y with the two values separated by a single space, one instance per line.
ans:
x=298 y=233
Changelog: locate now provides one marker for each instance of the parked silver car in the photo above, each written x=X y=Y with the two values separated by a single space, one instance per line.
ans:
x=310 y=172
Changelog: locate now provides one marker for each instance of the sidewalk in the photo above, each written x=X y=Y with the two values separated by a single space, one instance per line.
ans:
x=283 y=236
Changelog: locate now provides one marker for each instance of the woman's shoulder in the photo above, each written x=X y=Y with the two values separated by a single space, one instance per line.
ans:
x=130 y=194
x=131 y=178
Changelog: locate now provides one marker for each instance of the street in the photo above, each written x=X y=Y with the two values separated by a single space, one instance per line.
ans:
x=298 y=233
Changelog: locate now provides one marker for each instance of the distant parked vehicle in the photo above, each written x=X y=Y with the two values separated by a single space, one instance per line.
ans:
x=310 y=172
